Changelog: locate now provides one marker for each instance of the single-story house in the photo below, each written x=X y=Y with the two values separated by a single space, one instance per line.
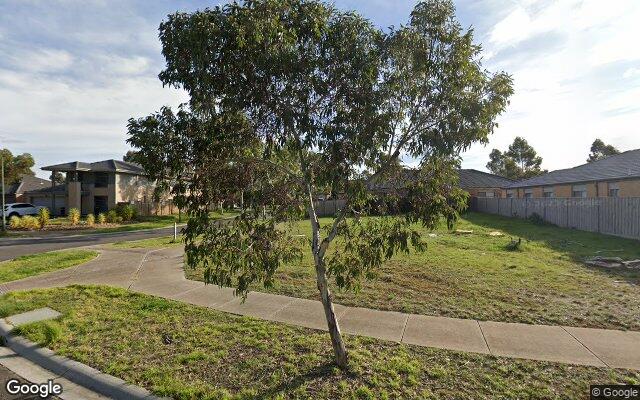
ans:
x=15 y=193
x=483 y=184
x=94 y=187
x=614 y=176
x=477 y=183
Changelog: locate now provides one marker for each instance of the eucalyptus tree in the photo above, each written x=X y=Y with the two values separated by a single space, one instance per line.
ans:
x=291 y=97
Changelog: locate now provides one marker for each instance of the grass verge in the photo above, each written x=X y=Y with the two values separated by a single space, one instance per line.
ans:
x=146 y=243
x=476 y=276
x=189 y=352
x=37 y=264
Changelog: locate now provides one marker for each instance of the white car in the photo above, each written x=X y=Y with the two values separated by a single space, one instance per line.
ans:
x=20 y=210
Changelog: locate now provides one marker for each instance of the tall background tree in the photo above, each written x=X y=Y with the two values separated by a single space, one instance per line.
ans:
x=16 y=166
x=600 y=150
x=520 y=161
x=129 y=156
x=288 y=98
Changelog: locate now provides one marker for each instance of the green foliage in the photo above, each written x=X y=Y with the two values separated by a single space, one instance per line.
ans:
x=15 y=222
x=127 y=212
x=514 y=245
x=91 y=220
x=536 y=219
x=16 y=166
x=43 y=217
x=102 y=219
x=289 y=99
x=519 y=162
x=30 y=222
x=113 y=217
x=74 y=216
x=600 y=150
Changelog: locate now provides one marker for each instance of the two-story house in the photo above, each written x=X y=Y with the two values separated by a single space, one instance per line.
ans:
x=94 y=187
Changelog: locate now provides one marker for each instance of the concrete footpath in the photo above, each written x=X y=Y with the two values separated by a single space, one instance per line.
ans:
x=159 y=272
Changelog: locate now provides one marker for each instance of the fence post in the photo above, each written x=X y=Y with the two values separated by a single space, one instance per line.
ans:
x=175 y=231
x=598 y=204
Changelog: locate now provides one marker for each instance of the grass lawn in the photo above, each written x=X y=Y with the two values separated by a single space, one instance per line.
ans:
x=37 y=264
x=475 y=276
x=189 y=352
x=166 y=241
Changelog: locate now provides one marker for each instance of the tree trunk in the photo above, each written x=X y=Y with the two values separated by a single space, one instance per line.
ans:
x=339 y=348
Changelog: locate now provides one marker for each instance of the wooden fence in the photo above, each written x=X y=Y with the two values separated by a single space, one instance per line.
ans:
x=612 y=216
x=156 y=208
x=328 y=208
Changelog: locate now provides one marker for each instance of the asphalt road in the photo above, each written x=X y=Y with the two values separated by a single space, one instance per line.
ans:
x=15 y=247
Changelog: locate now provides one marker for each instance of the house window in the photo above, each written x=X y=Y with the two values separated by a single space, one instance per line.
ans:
x=482 y=194
x=510 y=194
x=614 y=190
x=490 y=194
x=101 y=179
x=548 y=192
x=528 y=193
x=579 y=191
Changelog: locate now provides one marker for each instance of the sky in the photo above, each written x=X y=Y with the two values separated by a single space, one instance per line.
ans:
x=72 y=72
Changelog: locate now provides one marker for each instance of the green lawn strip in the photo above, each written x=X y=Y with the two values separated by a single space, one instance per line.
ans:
x=37 y=264
x=475 y=276
x=150 y=222
x=189 y=352
x=146 y=243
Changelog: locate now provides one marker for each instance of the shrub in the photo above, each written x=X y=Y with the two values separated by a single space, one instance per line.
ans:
x=29 y=222
x=74 y=216
x=536 y=219
x=91 y=220
x=514 y=245
x=112 y=217
x=15 y=222
x=127 y=212
x=102 y=218
x=43 y=217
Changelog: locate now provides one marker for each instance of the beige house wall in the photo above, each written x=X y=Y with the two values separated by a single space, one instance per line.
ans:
x=131 y=188
x=497 y=192
x=628 y=188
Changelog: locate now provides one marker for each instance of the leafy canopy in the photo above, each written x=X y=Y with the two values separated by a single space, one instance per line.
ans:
x=292 y=98
x=521 y=161
x=600 y=150
x=15 y=167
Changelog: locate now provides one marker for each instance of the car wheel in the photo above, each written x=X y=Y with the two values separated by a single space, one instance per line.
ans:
x=13 y=214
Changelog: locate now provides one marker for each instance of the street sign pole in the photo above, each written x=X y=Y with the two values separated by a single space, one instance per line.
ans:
x=2 y=184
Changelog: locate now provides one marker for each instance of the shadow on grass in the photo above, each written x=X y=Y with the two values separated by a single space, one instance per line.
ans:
x=577 y=245
x=323 y=371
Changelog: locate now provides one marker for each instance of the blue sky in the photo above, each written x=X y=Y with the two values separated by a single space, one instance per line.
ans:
x=73 y=71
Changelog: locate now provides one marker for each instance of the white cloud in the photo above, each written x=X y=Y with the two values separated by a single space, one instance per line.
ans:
x=40 y=60
x=571 y=90
x=631 y=73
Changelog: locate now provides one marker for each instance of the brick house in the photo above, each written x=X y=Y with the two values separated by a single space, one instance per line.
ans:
x=15 y=193
x=483 y=184
x=476 y=183
x=614 y=176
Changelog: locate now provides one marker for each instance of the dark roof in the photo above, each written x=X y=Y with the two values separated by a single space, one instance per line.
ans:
x=469 y=179
x=98 y=166
x=26 y=184
x=472 y=178
x=59 y=188
x=621 y=166
x=11 y=189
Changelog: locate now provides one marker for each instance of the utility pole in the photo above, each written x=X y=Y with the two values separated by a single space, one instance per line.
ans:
x=4 y=221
